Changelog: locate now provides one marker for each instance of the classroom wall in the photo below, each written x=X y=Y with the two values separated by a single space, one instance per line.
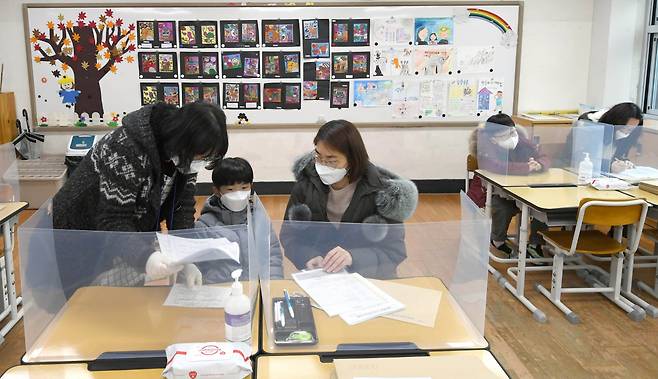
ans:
x=555 y=62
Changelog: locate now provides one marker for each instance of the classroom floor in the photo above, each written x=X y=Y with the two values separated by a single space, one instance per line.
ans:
x=606 y=344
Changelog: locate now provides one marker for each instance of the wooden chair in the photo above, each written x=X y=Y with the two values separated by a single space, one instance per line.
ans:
x=579 y=241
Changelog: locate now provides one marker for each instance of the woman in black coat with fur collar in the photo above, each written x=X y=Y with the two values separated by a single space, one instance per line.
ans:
x=339 y=186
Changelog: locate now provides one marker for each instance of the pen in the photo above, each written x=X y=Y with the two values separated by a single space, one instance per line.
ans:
x=287 y=297
x=277 y=314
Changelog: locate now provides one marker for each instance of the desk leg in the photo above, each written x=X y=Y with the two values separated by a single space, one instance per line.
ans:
x=647 y=288
x=487 y=204
x=9 y=271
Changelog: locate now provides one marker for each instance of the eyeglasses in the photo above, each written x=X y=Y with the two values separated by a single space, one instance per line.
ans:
x=333 y=163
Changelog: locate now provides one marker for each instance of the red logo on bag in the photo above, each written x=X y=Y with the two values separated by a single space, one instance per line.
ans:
x=192 y=374
x=209 y=350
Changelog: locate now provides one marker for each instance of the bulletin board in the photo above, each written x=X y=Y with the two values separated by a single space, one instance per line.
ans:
x=375 y=65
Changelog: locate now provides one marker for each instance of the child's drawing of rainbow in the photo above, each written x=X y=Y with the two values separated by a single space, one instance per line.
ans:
x=490 y=17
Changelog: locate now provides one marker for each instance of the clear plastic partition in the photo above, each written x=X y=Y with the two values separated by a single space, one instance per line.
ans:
x=634 y=153
x=9 y=184
x=516 y=156
x=591 y=142
x=513 y=156
x=376 y=287
x=87 y=293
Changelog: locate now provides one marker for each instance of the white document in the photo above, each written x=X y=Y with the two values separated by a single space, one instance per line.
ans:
x=350 y=296
x=197 y=297
x=637 y=174
x=192 y=250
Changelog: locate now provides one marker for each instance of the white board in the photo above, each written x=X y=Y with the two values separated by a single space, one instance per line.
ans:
x=481 y=48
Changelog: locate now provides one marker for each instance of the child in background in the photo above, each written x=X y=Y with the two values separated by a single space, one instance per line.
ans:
x=232 y=186
x=502 y=149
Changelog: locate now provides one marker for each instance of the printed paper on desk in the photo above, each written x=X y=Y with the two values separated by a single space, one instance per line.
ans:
x=421 y=305
x=197 y=297
x=349 y=295
x=446 y=366
x=637 y=174
x=191 y=250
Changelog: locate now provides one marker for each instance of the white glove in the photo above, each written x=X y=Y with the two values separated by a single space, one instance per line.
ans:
x=159 y=266
x=192 y=275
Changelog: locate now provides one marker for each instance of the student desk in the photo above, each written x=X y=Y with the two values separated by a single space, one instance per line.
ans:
x=96 y=320
x=555 y=206
x=8 y=219
x=452 y=330
x=457 y=364
x=495 y=182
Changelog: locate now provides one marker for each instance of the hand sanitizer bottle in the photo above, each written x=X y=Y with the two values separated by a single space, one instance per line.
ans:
x=237 y=312
x=585 y=169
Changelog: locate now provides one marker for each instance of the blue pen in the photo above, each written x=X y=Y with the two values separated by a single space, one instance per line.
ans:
x=287 y=298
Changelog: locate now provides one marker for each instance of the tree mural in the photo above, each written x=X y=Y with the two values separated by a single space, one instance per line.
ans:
x=88 y=48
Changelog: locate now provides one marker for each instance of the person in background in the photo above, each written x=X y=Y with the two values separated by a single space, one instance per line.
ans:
x=626 y=120
x=137 y=176
x=337 y=184
x=233 y=180
x=503 y=148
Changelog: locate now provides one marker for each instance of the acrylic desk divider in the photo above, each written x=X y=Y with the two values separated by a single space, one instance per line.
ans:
x=410 y=288
x=9 y=183
x=87 y=297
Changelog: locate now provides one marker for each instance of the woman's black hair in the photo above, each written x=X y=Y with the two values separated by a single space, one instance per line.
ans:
x=621 y=113
x=231 y=171
x=196 y=129
x=343 y=136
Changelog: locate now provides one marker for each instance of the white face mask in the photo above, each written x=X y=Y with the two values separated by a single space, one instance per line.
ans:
x=236 y=201
x=620 y=134
x=330 y=175
x=510 y=143
x=195 y=166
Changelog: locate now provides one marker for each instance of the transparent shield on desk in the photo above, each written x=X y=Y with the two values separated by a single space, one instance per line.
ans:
x=9 y=183
x=634 y=154
x=86 y=293
x=591 y=149
x=377 y=286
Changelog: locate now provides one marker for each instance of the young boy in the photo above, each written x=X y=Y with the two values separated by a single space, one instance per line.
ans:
x=232 y=186
x=502 y=149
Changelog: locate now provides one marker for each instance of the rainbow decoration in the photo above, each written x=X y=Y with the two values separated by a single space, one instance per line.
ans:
x=489 y=17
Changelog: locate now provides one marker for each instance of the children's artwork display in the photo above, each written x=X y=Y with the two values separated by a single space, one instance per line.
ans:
x=280 y=33
x=205 y=92
x=340 y=95
x=316 y=38
x=445 y=63
x=433 y=61
x=350 y=65
x=373 y=93
x=282 y=95
x=434 y=31
x=239 y=34
x=490 y=96
x=198 y=34
x=281 y=64
x=241 y=96
x=240 y=64
x=462 y=97
x=204 y=65
x=350 y=32
x=476 y=59
x=156 y=34
x=316 y=80
x=393 y=31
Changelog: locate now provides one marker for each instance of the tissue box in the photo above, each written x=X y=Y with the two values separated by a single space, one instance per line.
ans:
x=208 y=360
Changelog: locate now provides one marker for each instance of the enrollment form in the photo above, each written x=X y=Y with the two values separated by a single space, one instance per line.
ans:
x=197 y=297
x=350 y=296
x=192 y=250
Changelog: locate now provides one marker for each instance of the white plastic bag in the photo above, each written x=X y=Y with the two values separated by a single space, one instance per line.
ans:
x=209 y=360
